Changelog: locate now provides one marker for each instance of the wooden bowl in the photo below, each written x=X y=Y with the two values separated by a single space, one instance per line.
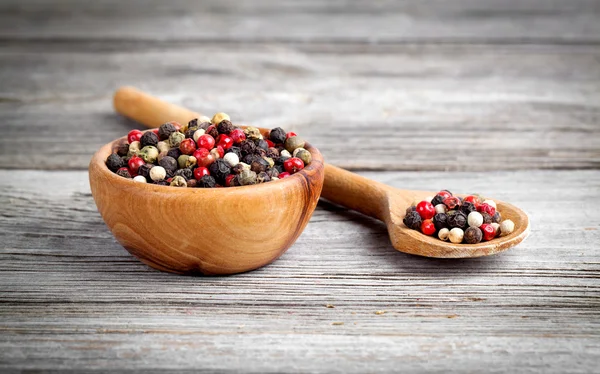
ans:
x=206 y=231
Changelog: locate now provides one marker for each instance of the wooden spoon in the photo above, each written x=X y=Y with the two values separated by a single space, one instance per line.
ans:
x=342 y=187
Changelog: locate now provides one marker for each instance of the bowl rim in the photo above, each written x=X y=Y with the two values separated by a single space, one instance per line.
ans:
x=98 y=162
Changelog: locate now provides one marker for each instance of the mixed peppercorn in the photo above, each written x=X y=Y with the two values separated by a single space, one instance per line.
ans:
x=208 y=153
x=467 y=220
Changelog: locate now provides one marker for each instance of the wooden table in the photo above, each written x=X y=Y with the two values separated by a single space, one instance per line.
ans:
x=498 y=97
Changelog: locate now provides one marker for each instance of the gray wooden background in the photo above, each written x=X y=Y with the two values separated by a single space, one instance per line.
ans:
x=497 y=97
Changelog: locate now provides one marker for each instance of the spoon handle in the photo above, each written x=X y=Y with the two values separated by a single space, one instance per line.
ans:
x=355 y=192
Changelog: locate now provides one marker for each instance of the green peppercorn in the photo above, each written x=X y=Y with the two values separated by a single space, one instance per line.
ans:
x=175 y=139
x=473 y=235
x=149 y=154
x=246 y=177
x=277 y=135
x=262 y=177
x=182 y=161
x=134 y=148
x=294 y=142
x=149 y=138
x=413 y=220
x=165 y=130
x=178 y=181
x=114 y=162
x=252 y=133
x=304 y=155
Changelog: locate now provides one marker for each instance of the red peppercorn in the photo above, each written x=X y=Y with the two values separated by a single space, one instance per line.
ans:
x=425 y=210
x=473 y=199
x=290 y=134
x=134 y=164
x=427 y=227
x=200 y=153
x=221 y=151
x=452 y=202
x=487 y=208
x=445 y=194
x=293 y=165
x=205 y=160
x=270 y=143
x=237 y=135
x=488 y=231
x=187 y=146
x=228 y=180
x=284 y=174
x=206 y=141
x=224 y=141
x=134 y=136
x=199 y=172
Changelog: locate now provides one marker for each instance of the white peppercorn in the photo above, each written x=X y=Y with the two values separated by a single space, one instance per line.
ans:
x=139 y=179
x=443 y=234
x=506 y=227
x=475 y=219
x=162 y=146
x=231 y=159
x=198 y=133
x=456 y=235
x=441 y=208
x=158 y=173
x=285 y=154
x=134 y=148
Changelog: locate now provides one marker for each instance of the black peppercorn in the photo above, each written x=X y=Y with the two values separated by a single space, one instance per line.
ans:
x=413 y=220
x=225 y=127
x=213 y=132
x=459 y=219
x=186 y=173
x=440 y=221
x=189 y=134
x=487 y=218
x=174 y=152
x=193 y=124
x=259 y=166
x=122 y=149
x=411 y=209
x=248 y=147
x=467 y=207
x=497 y=217
x=169 y=163
x=144 y=171
x=192 y=183
x=277 y=135
x=149 y=138
x=207 y=181
x=438 y=199
x=114 y=162
x=262 y=177
x=279 y=168
x=236 y=150
x=123 y=172
x=272 y=152
x=219 y=170
x=260 y=152
x=249 y=159
x=165 y=130
x=262 y=144
x=473 y=235
x=237 y=169
x=273 y=172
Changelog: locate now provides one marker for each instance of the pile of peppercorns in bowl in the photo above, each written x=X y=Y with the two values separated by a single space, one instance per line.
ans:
x=208 y=153
x=468 y=220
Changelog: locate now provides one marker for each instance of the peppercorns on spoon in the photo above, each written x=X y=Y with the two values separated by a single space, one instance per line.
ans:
x=390 y=205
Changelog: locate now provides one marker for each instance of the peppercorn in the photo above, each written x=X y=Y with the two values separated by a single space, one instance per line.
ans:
x=427 y=227
x=445 y=194
x=246 y=177
x=484 y=207
x=197 y=134
x=293 y=165
x=262 y=177
x=149 y=138
x=219 y=117
x=272 y=152
x=219 y=170
x=215 y=153
x=191 y=183
x=174 y=152
x=506 y=227
x=425 y=209
x=149 y=154
x=459 y=219
x=134 y=148
x=237 y=169
x=176 y=138
x=187 y=146
x=496 y=227
x=140 y=179
x=178 y=181
x=474 y=219
x=169 y=163
x=184 y=173
x=283 y=174
x=249 y=159
x=165 y=130
x=411 y=209
x=452 y=202
x=437 y=200
x=490 y=202
x=225 y=127
x=294 y=142
x=440 y=220
x=277 y=135
x=261 y=144
x=497 y=217
x=305 y=156
x=144 y=170
x=204 y=124
x=224 y=141
x=182 y=161
x=248 y=147
x=486 y=217
x=252 y=133
x=456 y=235
x=285 y=154
x=237 y=135
x=273 y=172
x=473 y=235
x=134 y=136
x=124 y=172
x=122 y=149
x=440 y=208
x=443 y=234
x=411 y=220
x=236 y=150
x=157 y=173
x=489 y=232
x=134 y=164
x=259 y=166
x=207 y=181
x=162 y=146
x=114 y=162
x=231 y=159
x=212 y=131
x=467 y=207
x=193 y=124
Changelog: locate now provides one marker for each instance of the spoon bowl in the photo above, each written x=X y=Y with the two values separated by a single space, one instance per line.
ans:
x=206 y=231
x=389 y=205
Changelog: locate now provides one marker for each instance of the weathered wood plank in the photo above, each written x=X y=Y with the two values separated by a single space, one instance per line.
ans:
x=366 y=107
x=292 y=20
x=71 y=297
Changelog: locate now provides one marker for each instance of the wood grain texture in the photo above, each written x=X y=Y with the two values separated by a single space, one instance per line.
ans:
x=306 y=20
x=474 y=107
x=72 y=297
